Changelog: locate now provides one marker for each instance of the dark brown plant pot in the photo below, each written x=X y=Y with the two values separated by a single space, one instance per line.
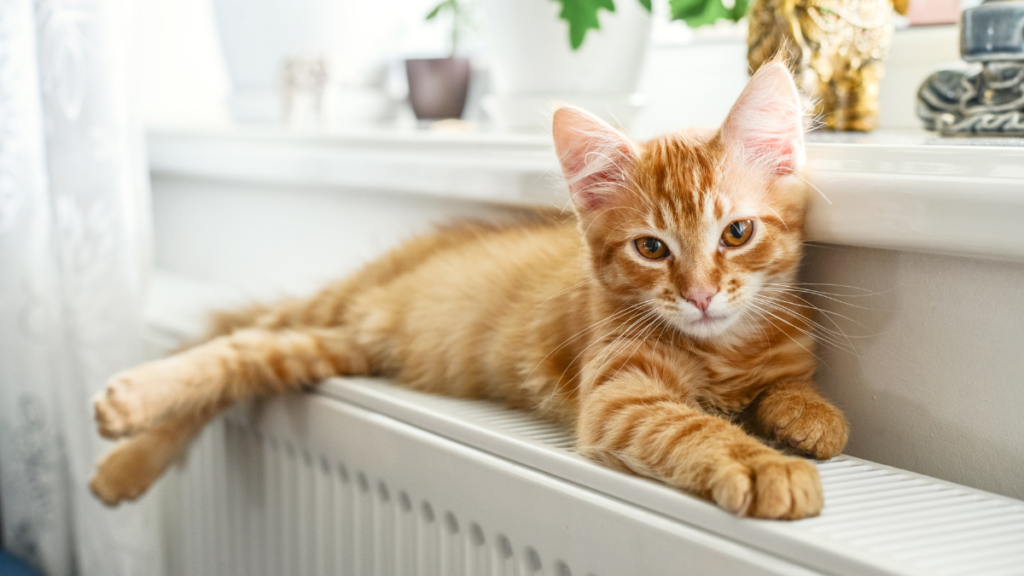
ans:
x=438 y=86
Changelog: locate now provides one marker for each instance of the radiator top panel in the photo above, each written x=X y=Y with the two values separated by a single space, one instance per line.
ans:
x=877 y=519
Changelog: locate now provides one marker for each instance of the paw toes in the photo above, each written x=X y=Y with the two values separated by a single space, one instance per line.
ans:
x=126 y=472
x=786 y=488
x=772 y=495
x=118 y=410
x=807 y=494
x=820 y=431
x=102 y=489
x=733 y=489
x=109 y=420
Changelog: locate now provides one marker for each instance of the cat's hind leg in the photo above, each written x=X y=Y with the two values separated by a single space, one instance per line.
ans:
x=248 y=363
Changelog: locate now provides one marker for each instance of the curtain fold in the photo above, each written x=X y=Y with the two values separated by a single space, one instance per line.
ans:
x=74 y=249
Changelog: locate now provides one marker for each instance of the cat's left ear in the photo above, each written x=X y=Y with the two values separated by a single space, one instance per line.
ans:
x=594 y=158
x=766 y=124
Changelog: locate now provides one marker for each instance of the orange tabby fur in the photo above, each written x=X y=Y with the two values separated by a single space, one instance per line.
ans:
x=563 y=316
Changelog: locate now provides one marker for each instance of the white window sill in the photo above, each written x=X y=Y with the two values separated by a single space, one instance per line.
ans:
x=896 y=190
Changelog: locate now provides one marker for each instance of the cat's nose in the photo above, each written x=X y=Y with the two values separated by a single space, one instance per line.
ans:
x=701 y=297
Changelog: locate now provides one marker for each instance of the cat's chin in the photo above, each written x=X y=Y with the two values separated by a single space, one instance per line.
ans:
x=706 y=327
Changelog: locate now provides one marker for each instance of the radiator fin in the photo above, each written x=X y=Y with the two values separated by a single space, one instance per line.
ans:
x=255 y=505
x=938 y=527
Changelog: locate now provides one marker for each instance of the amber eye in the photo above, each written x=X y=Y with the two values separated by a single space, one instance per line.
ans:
x=651 y=248
x=738 y=233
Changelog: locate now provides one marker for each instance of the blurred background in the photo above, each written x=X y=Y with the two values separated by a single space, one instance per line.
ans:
x=214 y=63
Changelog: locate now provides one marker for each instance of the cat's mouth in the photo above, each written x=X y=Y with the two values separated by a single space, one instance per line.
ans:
x=706 y=319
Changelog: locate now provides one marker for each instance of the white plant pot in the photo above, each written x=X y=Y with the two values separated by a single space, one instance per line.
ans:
x=533 y=64
x=355 y=37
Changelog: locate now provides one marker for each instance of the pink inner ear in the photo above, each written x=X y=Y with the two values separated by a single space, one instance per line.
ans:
x=591 y=192
x=767 y=121
x=593 y=156
x=780 y=154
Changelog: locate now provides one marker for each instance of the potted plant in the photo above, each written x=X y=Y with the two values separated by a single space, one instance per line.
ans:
x=584 y=52
x=438 y=86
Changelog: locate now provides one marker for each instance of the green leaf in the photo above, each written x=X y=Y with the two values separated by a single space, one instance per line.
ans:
x=582 y=16
x=437 y=9
x=740 y=9
x=646 y=4
x=700 y=12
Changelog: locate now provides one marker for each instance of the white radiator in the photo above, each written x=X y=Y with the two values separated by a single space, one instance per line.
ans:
x=367 y=478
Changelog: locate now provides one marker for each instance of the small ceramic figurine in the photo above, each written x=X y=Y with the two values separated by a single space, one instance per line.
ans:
x=987 y=98
x=303 y=86
x=835 y=49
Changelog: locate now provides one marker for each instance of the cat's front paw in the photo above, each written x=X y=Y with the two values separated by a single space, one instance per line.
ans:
x=809 y=425
x=772 y=486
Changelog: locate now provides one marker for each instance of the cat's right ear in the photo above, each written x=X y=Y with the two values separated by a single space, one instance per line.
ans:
x=766 y=124
x=594 y=158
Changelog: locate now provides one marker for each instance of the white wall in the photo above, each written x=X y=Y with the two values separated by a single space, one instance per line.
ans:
x=695 y=84
x=937 y=381
x=274 y=241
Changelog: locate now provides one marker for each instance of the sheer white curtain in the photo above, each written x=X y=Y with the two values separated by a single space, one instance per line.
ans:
x=74 y=240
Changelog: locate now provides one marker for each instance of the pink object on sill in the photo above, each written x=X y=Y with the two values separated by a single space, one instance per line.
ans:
x=927 y=12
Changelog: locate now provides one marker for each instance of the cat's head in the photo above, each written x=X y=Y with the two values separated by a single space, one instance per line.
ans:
x=702 y=225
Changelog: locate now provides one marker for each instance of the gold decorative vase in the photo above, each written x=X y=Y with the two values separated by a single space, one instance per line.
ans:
x=835 y=49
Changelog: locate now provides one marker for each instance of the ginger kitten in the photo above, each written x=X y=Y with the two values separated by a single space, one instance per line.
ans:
x=647 y=322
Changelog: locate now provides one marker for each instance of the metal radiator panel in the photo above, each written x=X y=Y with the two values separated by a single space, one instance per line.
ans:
x=315 y=486
x=368 y=478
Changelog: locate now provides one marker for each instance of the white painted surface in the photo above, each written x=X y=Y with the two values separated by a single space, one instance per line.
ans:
x=919 y=194
x=270 y=241
x=915 y=54
x=492 y=167
x=901 y=191
x=937 y=381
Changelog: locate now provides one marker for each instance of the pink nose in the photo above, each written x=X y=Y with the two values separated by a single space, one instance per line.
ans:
x=701 y=298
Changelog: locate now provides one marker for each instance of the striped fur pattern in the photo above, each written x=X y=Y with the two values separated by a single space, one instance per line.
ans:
x=563 y=315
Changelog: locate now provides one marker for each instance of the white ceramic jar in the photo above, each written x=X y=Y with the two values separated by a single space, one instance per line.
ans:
x=533 y=65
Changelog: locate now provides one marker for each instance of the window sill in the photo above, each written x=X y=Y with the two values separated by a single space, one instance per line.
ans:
x=895 y=190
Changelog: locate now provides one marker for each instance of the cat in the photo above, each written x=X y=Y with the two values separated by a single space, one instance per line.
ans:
x=659 y=321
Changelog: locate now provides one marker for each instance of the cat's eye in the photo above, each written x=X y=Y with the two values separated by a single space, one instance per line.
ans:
x=738 y=233
x=651 y=248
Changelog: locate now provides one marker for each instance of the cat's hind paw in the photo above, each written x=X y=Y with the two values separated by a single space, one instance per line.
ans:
x=119 y=409
x=129 y=469
x=771 y=487
x=139 y=399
